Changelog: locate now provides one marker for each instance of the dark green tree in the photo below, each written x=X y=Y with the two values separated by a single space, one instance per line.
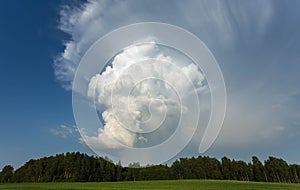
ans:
x=277 y=170
x=226 y=168
x=258 y=170
x=6 y=174
x=118 y=172
x=294 y=170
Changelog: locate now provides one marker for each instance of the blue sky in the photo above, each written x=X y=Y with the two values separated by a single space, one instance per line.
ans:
x=32 y=101
x=256 y=44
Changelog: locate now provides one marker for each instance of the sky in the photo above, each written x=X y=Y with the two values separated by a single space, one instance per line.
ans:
x=256 y=44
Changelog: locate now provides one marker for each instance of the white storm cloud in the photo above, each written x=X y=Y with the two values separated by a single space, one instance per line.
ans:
x=140 y=92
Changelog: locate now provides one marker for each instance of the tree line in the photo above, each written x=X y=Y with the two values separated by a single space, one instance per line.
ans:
x=78 y=167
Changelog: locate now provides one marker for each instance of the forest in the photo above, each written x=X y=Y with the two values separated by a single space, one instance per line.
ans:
x=79 y=167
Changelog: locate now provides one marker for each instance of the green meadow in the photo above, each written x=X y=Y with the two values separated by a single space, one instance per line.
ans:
x=153 y=185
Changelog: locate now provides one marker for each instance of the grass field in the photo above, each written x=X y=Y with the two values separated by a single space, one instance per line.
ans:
x=176 y=184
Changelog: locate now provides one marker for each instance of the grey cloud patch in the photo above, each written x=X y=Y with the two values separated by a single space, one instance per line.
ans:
x=65 y=132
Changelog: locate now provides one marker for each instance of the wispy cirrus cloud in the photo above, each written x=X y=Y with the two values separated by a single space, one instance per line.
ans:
x=218 y=22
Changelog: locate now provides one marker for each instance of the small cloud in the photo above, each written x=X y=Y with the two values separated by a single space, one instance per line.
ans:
x=64 y=131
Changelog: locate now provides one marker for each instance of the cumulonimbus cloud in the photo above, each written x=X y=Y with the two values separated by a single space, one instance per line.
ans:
x=136 y=95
